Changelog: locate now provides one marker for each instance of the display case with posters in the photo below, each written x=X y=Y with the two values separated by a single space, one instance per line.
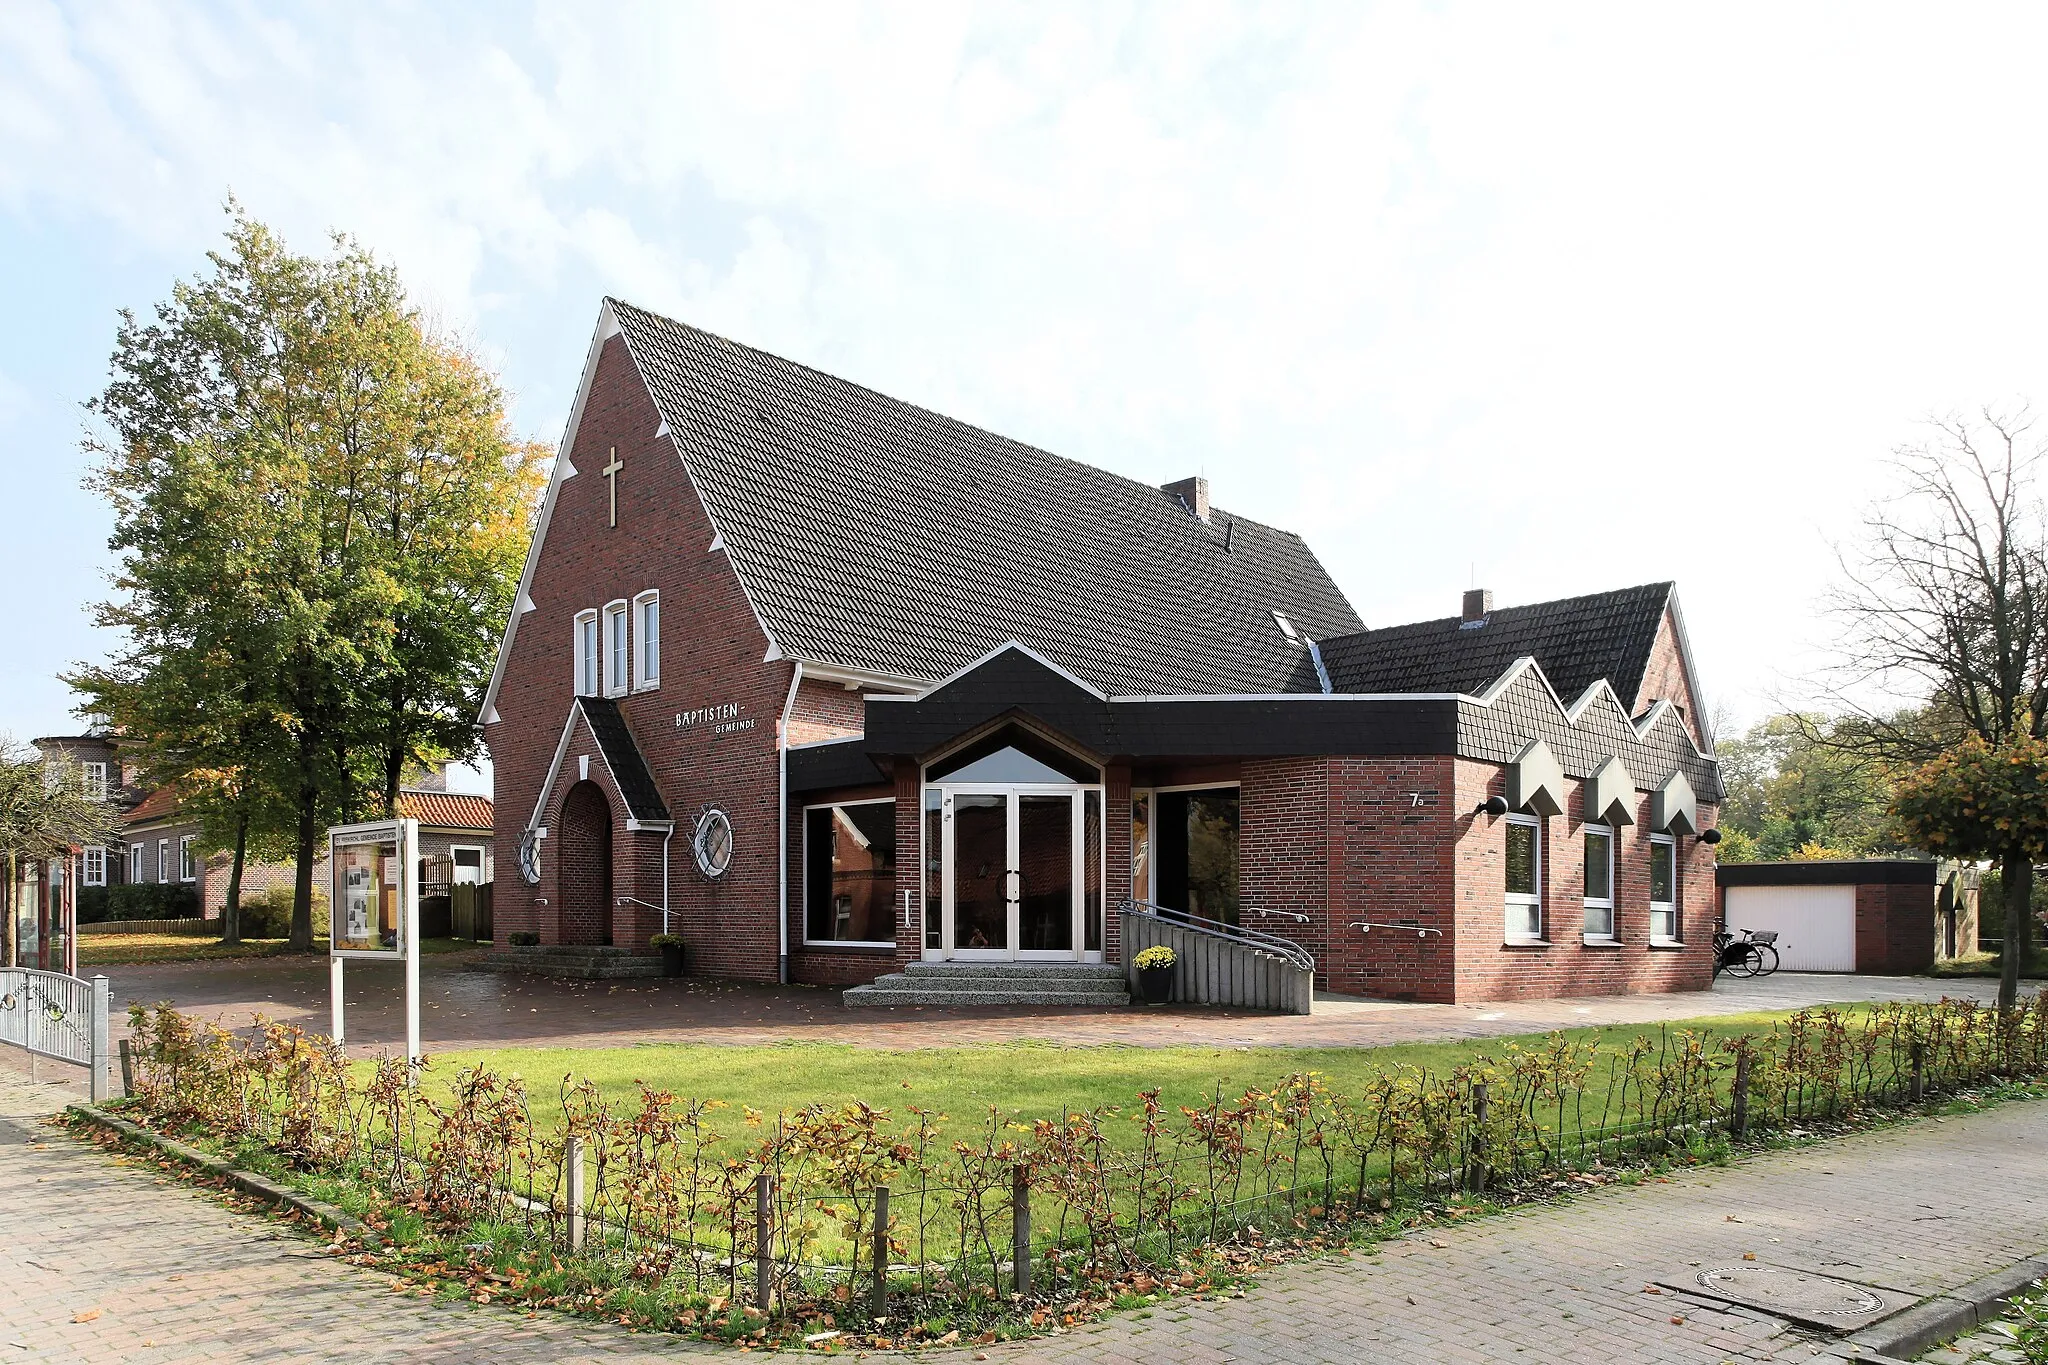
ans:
x=374 y=902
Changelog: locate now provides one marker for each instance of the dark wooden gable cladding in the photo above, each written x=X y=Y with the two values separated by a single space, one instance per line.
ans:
x=830 y=767
x=1014 y=683
x=622 y=755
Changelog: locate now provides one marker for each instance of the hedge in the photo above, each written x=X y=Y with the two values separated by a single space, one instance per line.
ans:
x=151 y=900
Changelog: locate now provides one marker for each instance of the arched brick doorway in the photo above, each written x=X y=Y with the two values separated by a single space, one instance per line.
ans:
x=585 y=859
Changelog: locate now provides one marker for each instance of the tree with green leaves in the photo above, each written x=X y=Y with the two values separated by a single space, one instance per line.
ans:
x=1799 y=782
x=1947 y=595
x=46 y=810
x=1984 y=801
x=320 y=513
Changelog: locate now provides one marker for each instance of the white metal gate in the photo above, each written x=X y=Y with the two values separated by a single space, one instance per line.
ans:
x=1816 y=925
x=54 y=1015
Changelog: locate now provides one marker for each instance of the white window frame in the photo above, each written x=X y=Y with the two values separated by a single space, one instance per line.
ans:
x=136 y=855
x=1515 y=900
x=584 y=646
x=163 y=861
x=482 y=862
x=1599 y=905
x=1665 y=912
x=805 y=854
x=618 y=647
x=647 y=642
x=188 y=866
x=95 y=780
x=93 y=866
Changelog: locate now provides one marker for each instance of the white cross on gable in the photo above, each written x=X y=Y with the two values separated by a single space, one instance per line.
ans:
x=611 y=480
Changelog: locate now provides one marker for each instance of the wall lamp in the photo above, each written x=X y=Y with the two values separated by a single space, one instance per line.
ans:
x=1492 y=805
x=1710 y=836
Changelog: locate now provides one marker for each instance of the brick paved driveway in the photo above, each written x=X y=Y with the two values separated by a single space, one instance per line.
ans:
x=1915 y=1208
x=463 y=1007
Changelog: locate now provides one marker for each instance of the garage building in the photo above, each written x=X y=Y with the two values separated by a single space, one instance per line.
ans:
x=1890 y=915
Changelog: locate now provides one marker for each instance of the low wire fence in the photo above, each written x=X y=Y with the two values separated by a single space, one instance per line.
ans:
x=856 y=1209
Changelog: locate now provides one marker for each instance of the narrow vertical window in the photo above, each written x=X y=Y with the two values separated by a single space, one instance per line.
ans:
x=650 y=639
x=96 y=781
x=1663 y=889
x=586 y=654
x=1599 y=882
x=163 y=860
x=135 y=856
x=618 y=649
x=95 y=867
x=188 y=866
x=1524 y=879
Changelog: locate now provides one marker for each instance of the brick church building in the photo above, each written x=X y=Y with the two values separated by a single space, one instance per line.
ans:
x=828 y=684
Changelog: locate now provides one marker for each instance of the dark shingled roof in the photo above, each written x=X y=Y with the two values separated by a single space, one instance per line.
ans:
x=875 y=535
x=1576 y=641
x=622 y=755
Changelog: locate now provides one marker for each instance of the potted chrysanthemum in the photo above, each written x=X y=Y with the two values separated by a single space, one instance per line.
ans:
x=1155 y=974
x=671 y=946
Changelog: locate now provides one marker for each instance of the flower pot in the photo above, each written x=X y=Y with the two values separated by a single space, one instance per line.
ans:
x=1155 y=985
x=671 y=959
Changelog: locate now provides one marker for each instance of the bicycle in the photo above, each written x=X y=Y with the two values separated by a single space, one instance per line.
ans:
x=1753 y=954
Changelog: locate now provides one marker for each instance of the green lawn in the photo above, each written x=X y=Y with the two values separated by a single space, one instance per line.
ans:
x=1026 y=1079
x=1987 y=964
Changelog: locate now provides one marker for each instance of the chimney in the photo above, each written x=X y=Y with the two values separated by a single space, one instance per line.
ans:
x=1478 y=606
x=1193 y=493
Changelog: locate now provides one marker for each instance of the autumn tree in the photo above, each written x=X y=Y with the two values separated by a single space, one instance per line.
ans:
x=1947 y=596
x=321 y=513
x=1984 y=801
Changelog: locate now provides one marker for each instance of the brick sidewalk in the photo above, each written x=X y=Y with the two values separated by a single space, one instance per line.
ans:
x=1916 y=1208
x=464 y=1008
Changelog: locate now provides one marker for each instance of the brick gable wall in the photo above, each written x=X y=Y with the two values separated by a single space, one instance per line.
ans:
x=712 y=650
x=1664 y=677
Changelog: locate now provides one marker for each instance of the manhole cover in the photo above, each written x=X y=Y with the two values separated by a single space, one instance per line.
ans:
x=1800 y=1295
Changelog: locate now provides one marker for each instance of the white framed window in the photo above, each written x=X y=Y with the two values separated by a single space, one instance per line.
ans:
x=647 y=608
x=163 y=860
x=1599 y=882
x=850 y=873
x=188 y=866
x=95 y=780
x=1663 y=889
x=1524 y=878
x=95 y=860
x=467 y=864
x=586 y=654
x=136 y=853
x=617 y=649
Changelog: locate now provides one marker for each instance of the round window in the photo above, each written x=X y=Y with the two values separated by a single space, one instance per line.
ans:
x=713 y=843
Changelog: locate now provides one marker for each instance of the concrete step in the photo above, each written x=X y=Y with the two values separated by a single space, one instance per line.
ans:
x=1028 y=971
x=1006 y=995
x=996 y=983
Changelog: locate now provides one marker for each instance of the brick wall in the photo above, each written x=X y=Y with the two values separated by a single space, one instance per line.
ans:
x=1393 y=845
x=1895 y=928
x=1489 y=968
x=1664 y=677
x=712 y=650
x=825 y=710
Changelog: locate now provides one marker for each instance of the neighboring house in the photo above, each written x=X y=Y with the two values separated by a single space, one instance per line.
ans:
x=99 y=759
x=834 y=683
x=163 y=845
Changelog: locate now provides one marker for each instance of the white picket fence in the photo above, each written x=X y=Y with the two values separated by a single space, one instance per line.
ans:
x=62 y=1017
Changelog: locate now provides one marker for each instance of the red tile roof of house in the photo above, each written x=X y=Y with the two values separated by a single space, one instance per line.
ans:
x=160 y=804
x=448 y=810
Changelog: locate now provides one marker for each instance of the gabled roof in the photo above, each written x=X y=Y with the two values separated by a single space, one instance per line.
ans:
x=447 y=810
x=622 y=755
x=876 y=536
x=1578 y=641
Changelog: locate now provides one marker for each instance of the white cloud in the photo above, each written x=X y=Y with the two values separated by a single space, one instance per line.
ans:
x=1572 y=297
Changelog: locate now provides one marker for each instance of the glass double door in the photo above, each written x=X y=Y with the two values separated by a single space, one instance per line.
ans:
x=1013 y=870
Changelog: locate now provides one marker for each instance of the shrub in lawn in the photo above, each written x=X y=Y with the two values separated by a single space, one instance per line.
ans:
x=92 y=904
x=268 y=914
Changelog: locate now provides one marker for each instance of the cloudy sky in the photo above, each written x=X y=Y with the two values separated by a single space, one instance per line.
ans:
x=1548 y=299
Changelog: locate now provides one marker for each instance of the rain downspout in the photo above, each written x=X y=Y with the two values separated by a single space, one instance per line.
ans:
x=782 y=828
x=664 y=874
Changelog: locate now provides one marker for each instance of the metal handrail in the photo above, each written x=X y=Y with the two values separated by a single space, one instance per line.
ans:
x=1285 y=948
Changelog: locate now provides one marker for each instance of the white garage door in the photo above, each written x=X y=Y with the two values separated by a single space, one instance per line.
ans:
x=1816 y=924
